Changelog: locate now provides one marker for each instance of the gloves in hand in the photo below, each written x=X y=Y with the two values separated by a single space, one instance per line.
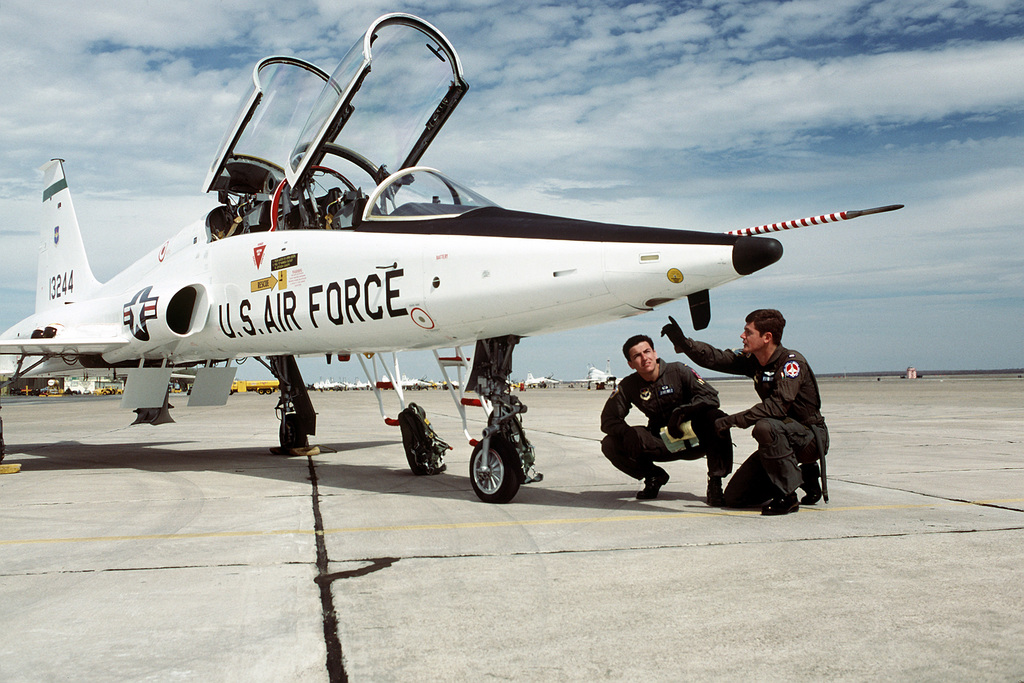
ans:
x=675 y=421
x=722 y=426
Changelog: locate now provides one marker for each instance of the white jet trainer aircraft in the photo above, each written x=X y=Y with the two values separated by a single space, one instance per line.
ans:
x=300 y=259
x=599 y=377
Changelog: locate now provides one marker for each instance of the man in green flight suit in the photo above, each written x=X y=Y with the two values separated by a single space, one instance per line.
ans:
x=787 y=423
x=669 y=395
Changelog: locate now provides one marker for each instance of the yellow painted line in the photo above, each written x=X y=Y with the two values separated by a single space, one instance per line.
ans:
x=711 y=512
x=952 y=503
x=10 y=469
x=541 y=522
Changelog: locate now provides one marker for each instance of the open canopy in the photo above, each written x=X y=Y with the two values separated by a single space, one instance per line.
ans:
x=380 y=109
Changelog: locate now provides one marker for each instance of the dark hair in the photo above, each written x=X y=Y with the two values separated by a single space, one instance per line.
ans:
x=768 y=320
x=633 y=341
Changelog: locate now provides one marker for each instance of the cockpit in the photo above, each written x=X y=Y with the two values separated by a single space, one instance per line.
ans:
x=312 y=150
x=421 y=192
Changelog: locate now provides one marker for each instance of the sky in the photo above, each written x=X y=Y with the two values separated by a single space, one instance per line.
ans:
x=709 y=116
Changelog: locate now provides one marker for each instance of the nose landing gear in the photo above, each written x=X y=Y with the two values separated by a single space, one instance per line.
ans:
x=504 y=459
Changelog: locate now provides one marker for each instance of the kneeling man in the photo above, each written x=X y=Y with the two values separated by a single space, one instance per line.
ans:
x=787 y=424
x=669 y=394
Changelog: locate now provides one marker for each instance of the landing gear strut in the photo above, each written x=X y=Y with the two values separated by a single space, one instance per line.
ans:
x=298 y=419
x=504 y=458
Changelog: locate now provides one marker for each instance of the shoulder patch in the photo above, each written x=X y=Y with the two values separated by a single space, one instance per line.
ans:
x=792 y=369
x=700 y=379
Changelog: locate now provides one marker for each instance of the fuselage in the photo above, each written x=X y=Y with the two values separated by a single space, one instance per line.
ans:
x=306 y=292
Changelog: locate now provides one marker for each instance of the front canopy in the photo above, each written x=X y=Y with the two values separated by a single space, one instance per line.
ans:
x=421 y=193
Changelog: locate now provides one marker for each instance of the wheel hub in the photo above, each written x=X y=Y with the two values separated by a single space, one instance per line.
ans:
x=489 y=472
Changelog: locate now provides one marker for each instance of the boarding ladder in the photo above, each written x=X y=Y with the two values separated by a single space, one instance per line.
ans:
x=462 y=365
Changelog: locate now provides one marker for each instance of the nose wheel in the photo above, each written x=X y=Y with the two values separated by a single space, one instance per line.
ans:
x=504 y=458
x=496 y=473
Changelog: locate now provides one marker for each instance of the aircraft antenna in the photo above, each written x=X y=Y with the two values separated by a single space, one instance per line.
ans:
x=814 y=220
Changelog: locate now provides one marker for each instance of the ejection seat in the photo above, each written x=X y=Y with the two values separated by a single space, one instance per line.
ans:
x=220 y=223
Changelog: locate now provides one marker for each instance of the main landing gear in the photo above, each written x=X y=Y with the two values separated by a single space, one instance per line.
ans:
x=298 y=419
x=504 y=459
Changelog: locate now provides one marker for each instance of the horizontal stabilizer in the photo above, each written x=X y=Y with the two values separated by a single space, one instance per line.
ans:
x=61 y=346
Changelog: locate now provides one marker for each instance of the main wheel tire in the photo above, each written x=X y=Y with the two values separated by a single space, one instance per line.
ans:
x=291 y=435
x=496 y=474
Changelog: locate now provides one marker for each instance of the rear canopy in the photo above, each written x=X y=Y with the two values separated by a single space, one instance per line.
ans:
x=381 y=108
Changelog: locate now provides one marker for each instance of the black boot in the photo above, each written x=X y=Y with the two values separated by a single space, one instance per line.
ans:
x=716 y=498
x=652 y=485
x=782 y=506
x=812 y=483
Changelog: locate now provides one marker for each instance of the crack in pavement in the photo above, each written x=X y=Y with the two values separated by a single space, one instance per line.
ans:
x=335 y=659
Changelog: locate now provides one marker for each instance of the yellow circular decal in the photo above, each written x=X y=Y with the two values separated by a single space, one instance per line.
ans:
x=675 y=276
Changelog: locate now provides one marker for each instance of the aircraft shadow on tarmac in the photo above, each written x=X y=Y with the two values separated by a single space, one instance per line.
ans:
x=398 y=480
x=332 y=476
x=154 y=457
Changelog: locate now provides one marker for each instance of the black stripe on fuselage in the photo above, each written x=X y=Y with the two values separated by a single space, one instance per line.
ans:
x=492 y=221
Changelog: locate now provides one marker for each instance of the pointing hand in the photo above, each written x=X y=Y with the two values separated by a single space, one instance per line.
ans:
x=674 y=334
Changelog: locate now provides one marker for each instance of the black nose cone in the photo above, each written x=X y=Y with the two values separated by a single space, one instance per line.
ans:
x=751 y=254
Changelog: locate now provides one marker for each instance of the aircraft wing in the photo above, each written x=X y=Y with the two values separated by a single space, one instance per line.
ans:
x=60 y=346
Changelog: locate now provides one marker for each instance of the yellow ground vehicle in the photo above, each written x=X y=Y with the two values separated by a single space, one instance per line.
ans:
x=262 y=386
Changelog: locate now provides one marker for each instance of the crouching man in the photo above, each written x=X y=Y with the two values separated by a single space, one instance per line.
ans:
x=787 y=423
x=669 y=394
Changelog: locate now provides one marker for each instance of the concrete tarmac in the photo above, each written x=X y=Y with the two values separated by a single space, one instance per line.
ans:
x=188 y=551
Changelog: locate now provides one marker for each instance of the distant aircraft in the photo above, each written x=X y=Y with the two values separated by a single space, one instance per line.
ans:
x=299 y=259
x=597 y=377
x=332 y=385
x=532 y=381
x=407 y=383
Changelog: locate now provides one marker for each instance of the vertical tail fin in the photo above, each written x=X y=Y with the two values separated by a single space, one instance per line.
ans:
x=64 y=274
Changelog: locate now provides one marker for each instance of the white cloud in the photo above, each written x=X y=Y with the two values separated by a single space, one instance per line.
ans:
x=716 y=116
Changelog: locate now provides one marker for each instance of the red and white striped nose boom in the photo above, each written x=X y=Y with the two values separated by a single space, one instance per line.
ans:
x=813 y=220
